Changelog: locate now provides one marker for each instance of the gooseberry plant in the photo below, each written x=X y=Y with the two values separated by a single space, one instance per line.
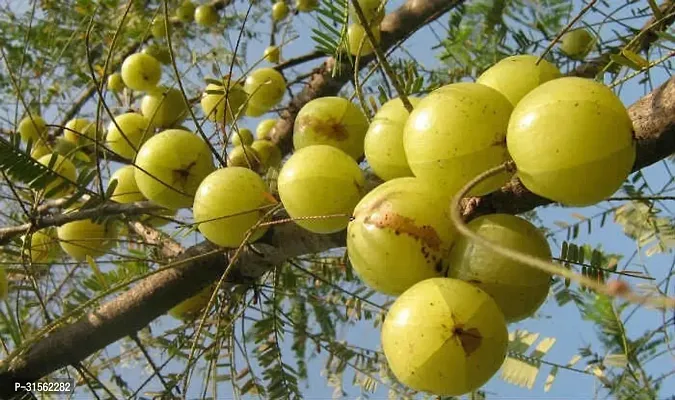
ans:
x=355 y=198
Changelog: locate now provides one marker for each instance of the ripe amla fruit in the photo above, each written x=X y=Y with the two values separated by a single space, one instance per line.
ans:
x=272 y=54
x=135 y=130
x=357 y=33
x=171 y=165
x=306 y=5
x=32 y=129
x=516 y=76
x=66 y=171
x=518 y=290
x=333 y=121
x=78 y=129
x=456 y=133
x=242 y=136
x=42 y=245
x=401 y=234
x=191 y=308
x=317 y=181
x=383 y=144
x=186 y=11
x=369 y=8
x=444 y=336
x=265 y=87
x=83 y=238
x=572 y=141
x=164 y=107
x=230 y=201
x=141 y=72
x=206 y=15
x=269 y=153
x=222 y=105
x=126 y=190
x=279 y=10
x=264 y=128
x=577 y=44
x=115 y=82
x=244 y=156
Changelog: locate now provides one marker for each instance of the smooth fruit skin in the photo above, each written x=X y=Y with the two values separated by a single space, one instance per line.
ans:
x=141 y=72
x=320 y=180
x=268 y=152
x=306 y=5
x=577 y=44
x=186 y=11
x=279 y=11
x=401 y=234
x=39 y=149
x=457 y=132
x=42 y=244
x=32 y=129
x=178 y=158
x=160 y=53
x=255 y=111
x=332 y=121
x=383 y=144
x=369 y=8
x=115 y=82
x=244 y=136
x=126 y=190
x=215 y=105
x=78 y=129
x=272 y=54
x=158 y=29
x=65 y=168
x=244 y=156
x=445 y=337
x=206 y=15
x=264 y=128
x=192 y=307
x=83 y=238
x=516 y=76
x=135 y=127
x=164 y=107
x=357 y=33
x=232 y=200
x=265 y=87
x=518 y=290
x=581 y=161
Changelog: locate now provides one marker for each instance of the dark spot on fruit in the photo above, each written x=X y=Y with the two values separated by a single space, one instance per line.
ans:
x=439 y=266
x=329 y=128
x=385 y=218
x=470 y=339
x=499 y=141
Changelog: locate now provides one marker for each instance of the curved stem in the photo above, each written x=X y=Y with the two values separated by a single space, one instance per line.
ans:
x=661 y=302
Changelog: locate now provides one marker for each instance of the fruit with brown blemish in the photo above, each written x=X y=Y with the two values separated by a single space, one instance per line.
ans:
x=401 y=234
x=444 y=336
x=319 y=187
x=332 y=121
x=518 y=290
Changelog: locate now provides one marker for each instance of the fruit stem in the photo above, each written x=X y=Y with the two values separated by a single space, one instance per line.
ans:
x=660 y=302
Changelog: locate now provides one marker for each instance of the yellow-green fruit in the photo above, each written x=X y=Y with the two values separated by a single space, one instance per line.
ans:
x=4 y=284
x=78 y=129
x=186 y=11
x=369 y=8
x=191 y=308
x=115 y=82
x=206 y=15
x=269 y=154
x=306 y=5
x=445 y=337
x=577 y=44
x=266 y=87
x=135 y=130
x=232 y=200
x=333 y=121
x=320 y=181
x=160 y=53
x=279 y=10
x=455 y=134
x=401 y=234
x=244 y=156
x=572 y=141
x=171 y=165
x=164 y=107
x=83 y=238
x=39 y=149
x=42 y=244
x=264 y=129
x=215 y=105
x=141 y=72
x=243 y=136
x=32 y=129
x=516 y=76
x=355 y=34
x=65 y=169
x=255 y=111
x=518 y=290
x=158 y=28
x=272 y=54
x=126 y=190
x=383 y=144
